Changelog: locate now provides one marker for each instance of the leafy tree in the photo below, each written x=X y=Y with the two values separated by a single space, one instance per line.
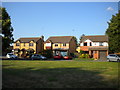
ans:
x=23 y=53
x=30 y=52
x=7 y=29
x=81 y=36
x=47 y=53
x=113 y=32
x=76 y=41
x=18 y=52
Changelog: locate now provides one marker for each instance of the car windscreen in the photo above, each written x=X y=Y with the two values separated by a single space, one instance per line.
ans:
x=10 y=54
x=118 y=55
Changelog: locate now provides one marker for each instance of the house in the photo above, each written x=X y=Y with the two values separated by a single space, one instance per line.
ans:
x=33 y=43
x=61 y=45
x=96 y=46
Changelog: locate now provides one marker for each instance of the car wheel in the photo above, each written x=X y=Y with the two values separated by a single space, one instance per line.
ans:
x=108 y=60
x=118 y=60
x=12 y=58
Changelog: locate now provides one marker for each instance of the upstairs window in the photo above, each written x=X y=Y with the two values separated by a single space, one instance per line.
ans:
x=30 y=44
x=101 y=44
x=17 y=44
x=85 y=43
x=56 y=45
x=90 y=44
x=24 y=44
x=64 y=44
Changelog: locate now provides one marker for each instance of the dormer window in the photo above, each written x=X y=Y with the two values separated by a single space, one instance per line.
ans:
x=85 y=43
x=17 y=44
x=90 y=44
x=31 y=44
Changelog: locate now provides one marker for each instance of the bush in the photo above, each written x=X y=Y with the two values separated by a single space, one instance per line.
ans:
x=84 y=56
x=47 y=53
x=81 y=52
x=76 y=55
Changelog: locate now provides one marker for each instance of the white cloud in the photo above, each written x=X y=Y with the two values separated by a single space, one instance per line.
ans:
x=110 y=9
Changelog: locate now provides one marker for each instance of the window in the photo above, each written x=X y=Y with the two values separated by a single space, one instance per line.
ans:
x=100 y=44
x=113 y=55
x=64 y=44
x=90 y=44
x=85 y=44
x=24 y=44
x=56 y=45
x=30 y=44
x=17 y=44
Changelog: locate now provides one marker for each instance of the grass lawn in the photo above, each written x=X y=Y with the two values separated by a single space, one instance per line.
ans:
x=59 y=74
x=83 y=59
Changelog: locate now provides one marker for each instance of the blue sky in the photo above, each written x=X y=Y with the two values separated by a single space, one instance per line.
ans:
x=33 y=19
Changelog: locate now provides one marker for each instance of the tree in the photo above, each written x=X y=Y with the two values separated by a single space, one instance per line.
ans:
x=113 y=32
x=30 y=52
x=7 y=29
x=47 y=53
x=75 y=41
x=81 y=36
x=23 y=53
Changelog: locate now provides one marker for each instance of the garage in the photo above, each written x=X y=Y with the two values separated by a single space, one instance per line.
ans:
x=98 y=52
x=102 y=54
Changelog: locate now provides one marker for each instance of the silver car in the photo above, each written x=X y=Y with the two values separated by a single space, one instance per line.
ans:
x=38 y=57
x=113 y=57
x=11 y=55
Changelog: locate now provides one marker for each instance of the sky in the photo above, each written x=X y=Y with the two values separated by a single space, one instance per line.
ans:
x=33 y=19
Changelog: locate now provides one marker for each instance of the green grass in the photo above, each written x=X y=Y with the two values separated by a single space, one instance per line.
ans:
x=59 y=74
x=84 y=59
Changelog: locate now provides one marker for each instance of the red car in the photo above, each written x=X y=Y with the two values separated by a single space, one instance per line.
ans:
x=67 y=57
x=57 y=57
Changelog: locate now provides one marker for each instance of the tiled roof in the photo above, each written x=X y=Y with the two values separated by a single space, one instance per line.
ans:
x=59 y=39
x=24 y=40
x=96 y=38
x=98 y=48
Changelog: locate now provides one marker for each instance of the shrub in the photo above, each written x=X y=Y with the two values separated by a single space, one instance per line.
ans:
x=84 y=56
x=76 y=55
x=47 y=53
x=81 y=52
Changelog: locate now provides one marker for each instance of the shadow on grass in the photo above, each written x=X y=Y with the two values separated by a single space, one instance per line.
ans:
x=55 y=78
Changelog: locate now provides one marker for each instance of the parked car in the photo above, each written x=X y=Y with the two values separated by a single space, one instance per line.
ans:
x=67 y=57
x=38 y=57
x=113 y=57
x=11 y=55
x=58 y=57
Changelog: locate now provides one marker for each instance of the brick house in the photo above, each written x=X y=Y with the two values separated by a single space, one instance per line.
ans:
x=96 y=46
x=34 y=43
x=61 y=45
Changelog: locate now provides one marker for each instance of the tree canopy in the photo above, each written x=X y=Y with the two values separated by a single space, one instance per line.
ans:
x=7 y=29
x=113 y=32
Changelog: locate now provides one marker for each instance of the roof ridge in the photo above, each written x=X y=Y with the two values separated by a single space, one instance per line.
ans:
x=30 y=37
x=97 y=35
x=61 y=36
